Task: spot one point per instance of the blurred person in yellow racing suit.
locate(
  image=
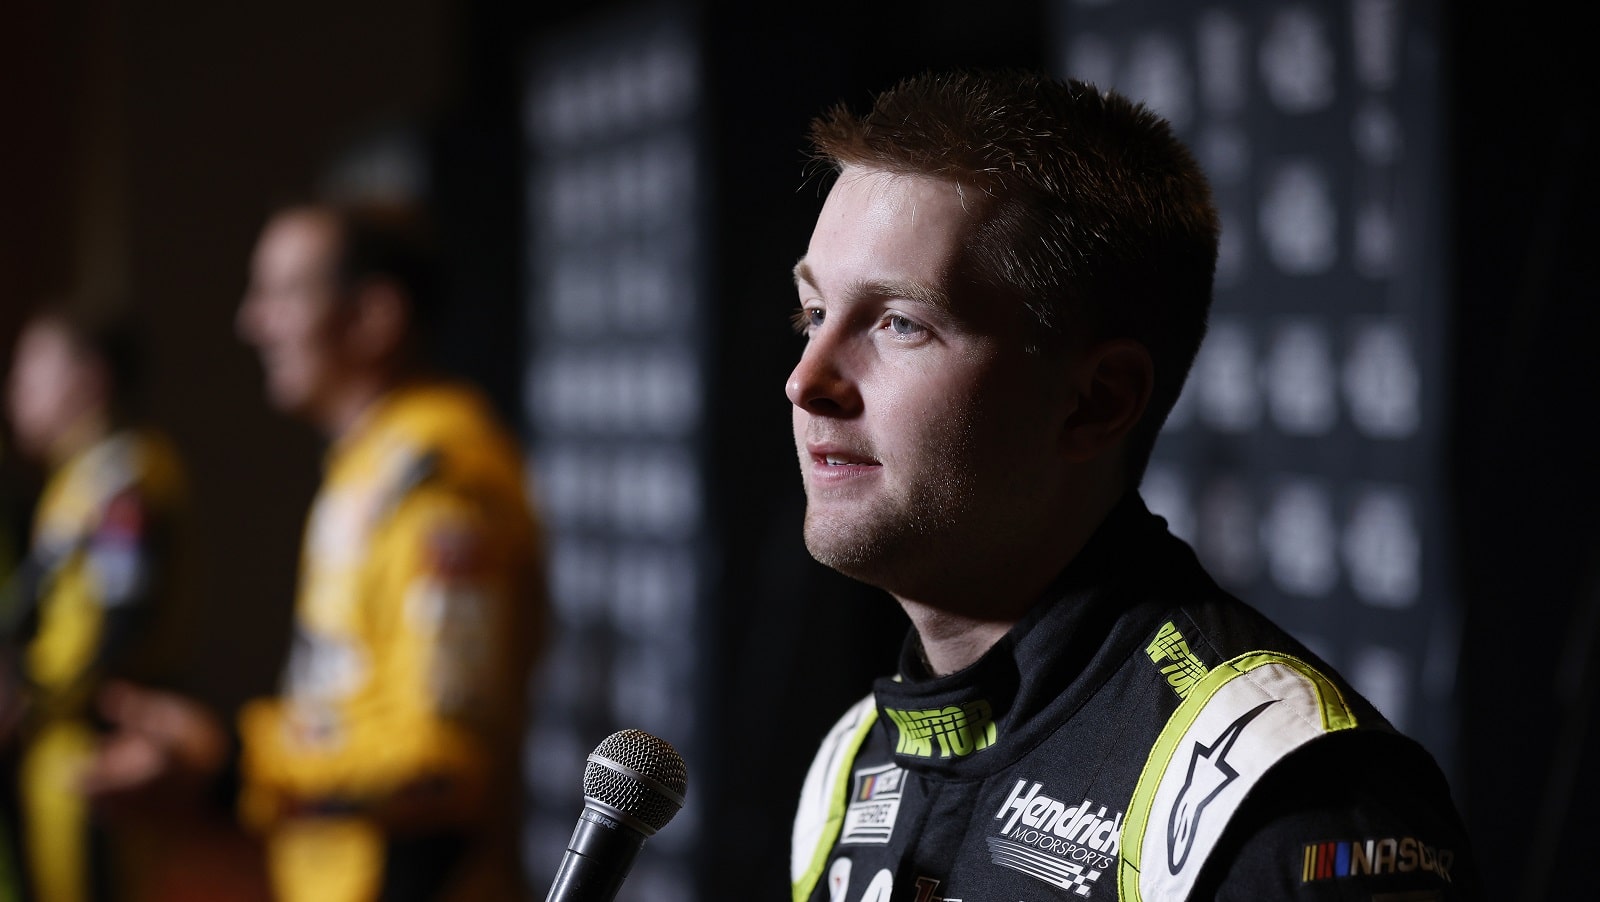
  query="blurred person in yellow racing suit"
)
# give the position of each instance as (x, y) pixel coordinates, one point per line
(389, 765)
(97, 596)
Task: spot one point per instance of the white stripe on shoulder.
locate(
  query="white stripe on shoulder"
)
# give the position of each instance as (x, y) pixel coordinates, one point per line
(1238, 721)
(822, 798)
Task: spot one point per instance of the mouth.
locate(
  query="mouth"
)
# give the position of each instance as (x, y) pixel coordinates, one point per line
(837, 459)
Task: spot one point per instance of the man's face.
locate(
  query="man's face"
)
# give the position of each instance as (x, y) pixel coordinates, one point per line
(52, 386)
(291, 312)
(927, 435)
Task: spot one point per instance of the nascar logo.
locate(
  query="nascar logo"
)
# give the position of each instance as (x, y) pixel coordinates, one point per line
(1372, 857)
(874, 805)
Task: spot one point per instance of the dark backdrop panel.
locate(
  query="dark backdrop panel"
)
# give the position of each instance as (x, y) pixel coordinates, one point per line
(1305, 459)
(666, 195)
(1525, 112)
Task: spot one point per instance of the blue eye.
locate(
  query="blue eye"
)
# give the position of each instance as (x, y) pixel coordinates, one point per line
(903, 326)
(806, 318)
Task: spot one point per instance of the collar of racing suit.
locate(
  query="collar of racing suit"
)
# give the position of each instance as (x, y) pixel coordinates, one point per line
(980, 720)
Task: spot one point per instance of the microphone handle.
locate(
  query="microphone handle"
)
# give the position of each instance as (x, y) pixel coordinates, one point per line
(598, 857)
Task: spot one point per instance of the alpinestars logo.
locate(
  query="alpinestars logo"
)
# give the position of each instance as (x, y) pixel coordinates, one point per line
(1064, 846)
(1209, 774)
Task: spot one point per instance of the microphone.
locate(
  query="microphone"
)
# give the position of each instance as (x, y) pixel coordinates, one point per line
(633, 784)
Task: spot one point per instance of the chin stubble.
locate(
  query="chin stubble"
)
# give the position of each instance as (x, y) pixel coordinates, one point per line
(910, 530)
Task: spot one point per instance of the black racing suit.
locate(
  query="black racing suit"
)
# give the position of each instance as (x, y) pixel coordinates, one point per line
(1141, 734)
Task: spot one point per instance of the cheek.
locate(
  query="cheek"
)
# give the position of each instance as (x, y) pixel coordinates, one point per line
(935, 418)
(292, 322)
(1000, 419)
(295, 329)
(40, 386)
(40, 405)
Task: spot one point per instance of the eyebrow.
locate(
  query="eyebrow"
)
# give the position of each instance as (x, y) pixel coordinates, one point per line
(884, 288)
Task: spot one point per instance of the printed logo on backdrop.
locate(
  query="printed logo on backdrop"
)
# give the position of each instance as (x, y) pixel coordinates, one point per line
(1065, 845)
(874, 804)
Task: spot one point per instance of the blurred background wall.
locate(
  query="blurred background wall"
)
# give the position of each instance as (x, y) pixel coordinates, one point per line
(622, 189)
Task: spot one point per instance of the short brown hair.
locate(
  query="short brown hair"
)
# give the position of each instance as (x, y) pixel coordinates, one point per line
(103, 327)
(380, 238)
(1094, 215)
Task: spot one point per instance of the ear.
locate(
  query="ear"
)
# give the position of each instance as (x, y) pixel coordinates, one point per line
(381, 321)
(1117, 378)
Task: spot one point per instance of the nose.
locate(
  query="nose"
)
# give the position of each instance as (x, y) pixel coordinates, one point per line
(821, 383)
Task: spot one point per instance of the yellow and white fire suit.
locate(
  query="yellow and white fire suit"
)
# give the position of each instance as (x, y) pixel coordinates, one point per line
(389, 764)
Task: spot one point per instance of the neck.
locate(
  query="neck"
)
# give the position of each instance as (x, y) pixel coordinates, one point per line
(340, 414)
(84, 432)
(952, 642)
(959, 624)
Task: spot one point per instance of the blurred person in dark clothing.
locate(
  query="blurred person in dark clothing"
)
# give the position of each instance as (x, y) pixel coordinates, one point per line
(389, 765)
(100, 594)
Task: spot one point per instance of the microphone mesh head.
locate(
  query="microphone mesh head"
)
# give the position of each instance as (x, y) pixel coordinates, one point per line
(659, 767)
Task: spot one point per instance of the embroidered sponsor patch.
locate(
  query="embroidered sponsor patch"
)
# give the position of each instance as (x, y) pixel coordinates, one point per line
(324, 667)
(1373, 858)
(1170, 651)
(124, 518)
(1068, 846)
(453, 551)
(874, 804)
(954, 731)
(928, 891)
(1077, 878)
(456, 619)
(117, 551)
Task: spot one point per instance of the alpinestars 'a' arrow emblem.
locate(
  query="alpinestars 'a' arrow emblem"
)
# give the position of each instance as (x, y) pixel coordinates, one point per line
(1209, 774)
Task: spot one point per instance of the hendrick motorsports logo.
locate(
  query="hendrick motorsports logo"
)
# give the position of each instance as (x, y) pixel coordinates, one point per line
(874, 804)
(1064, 846)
